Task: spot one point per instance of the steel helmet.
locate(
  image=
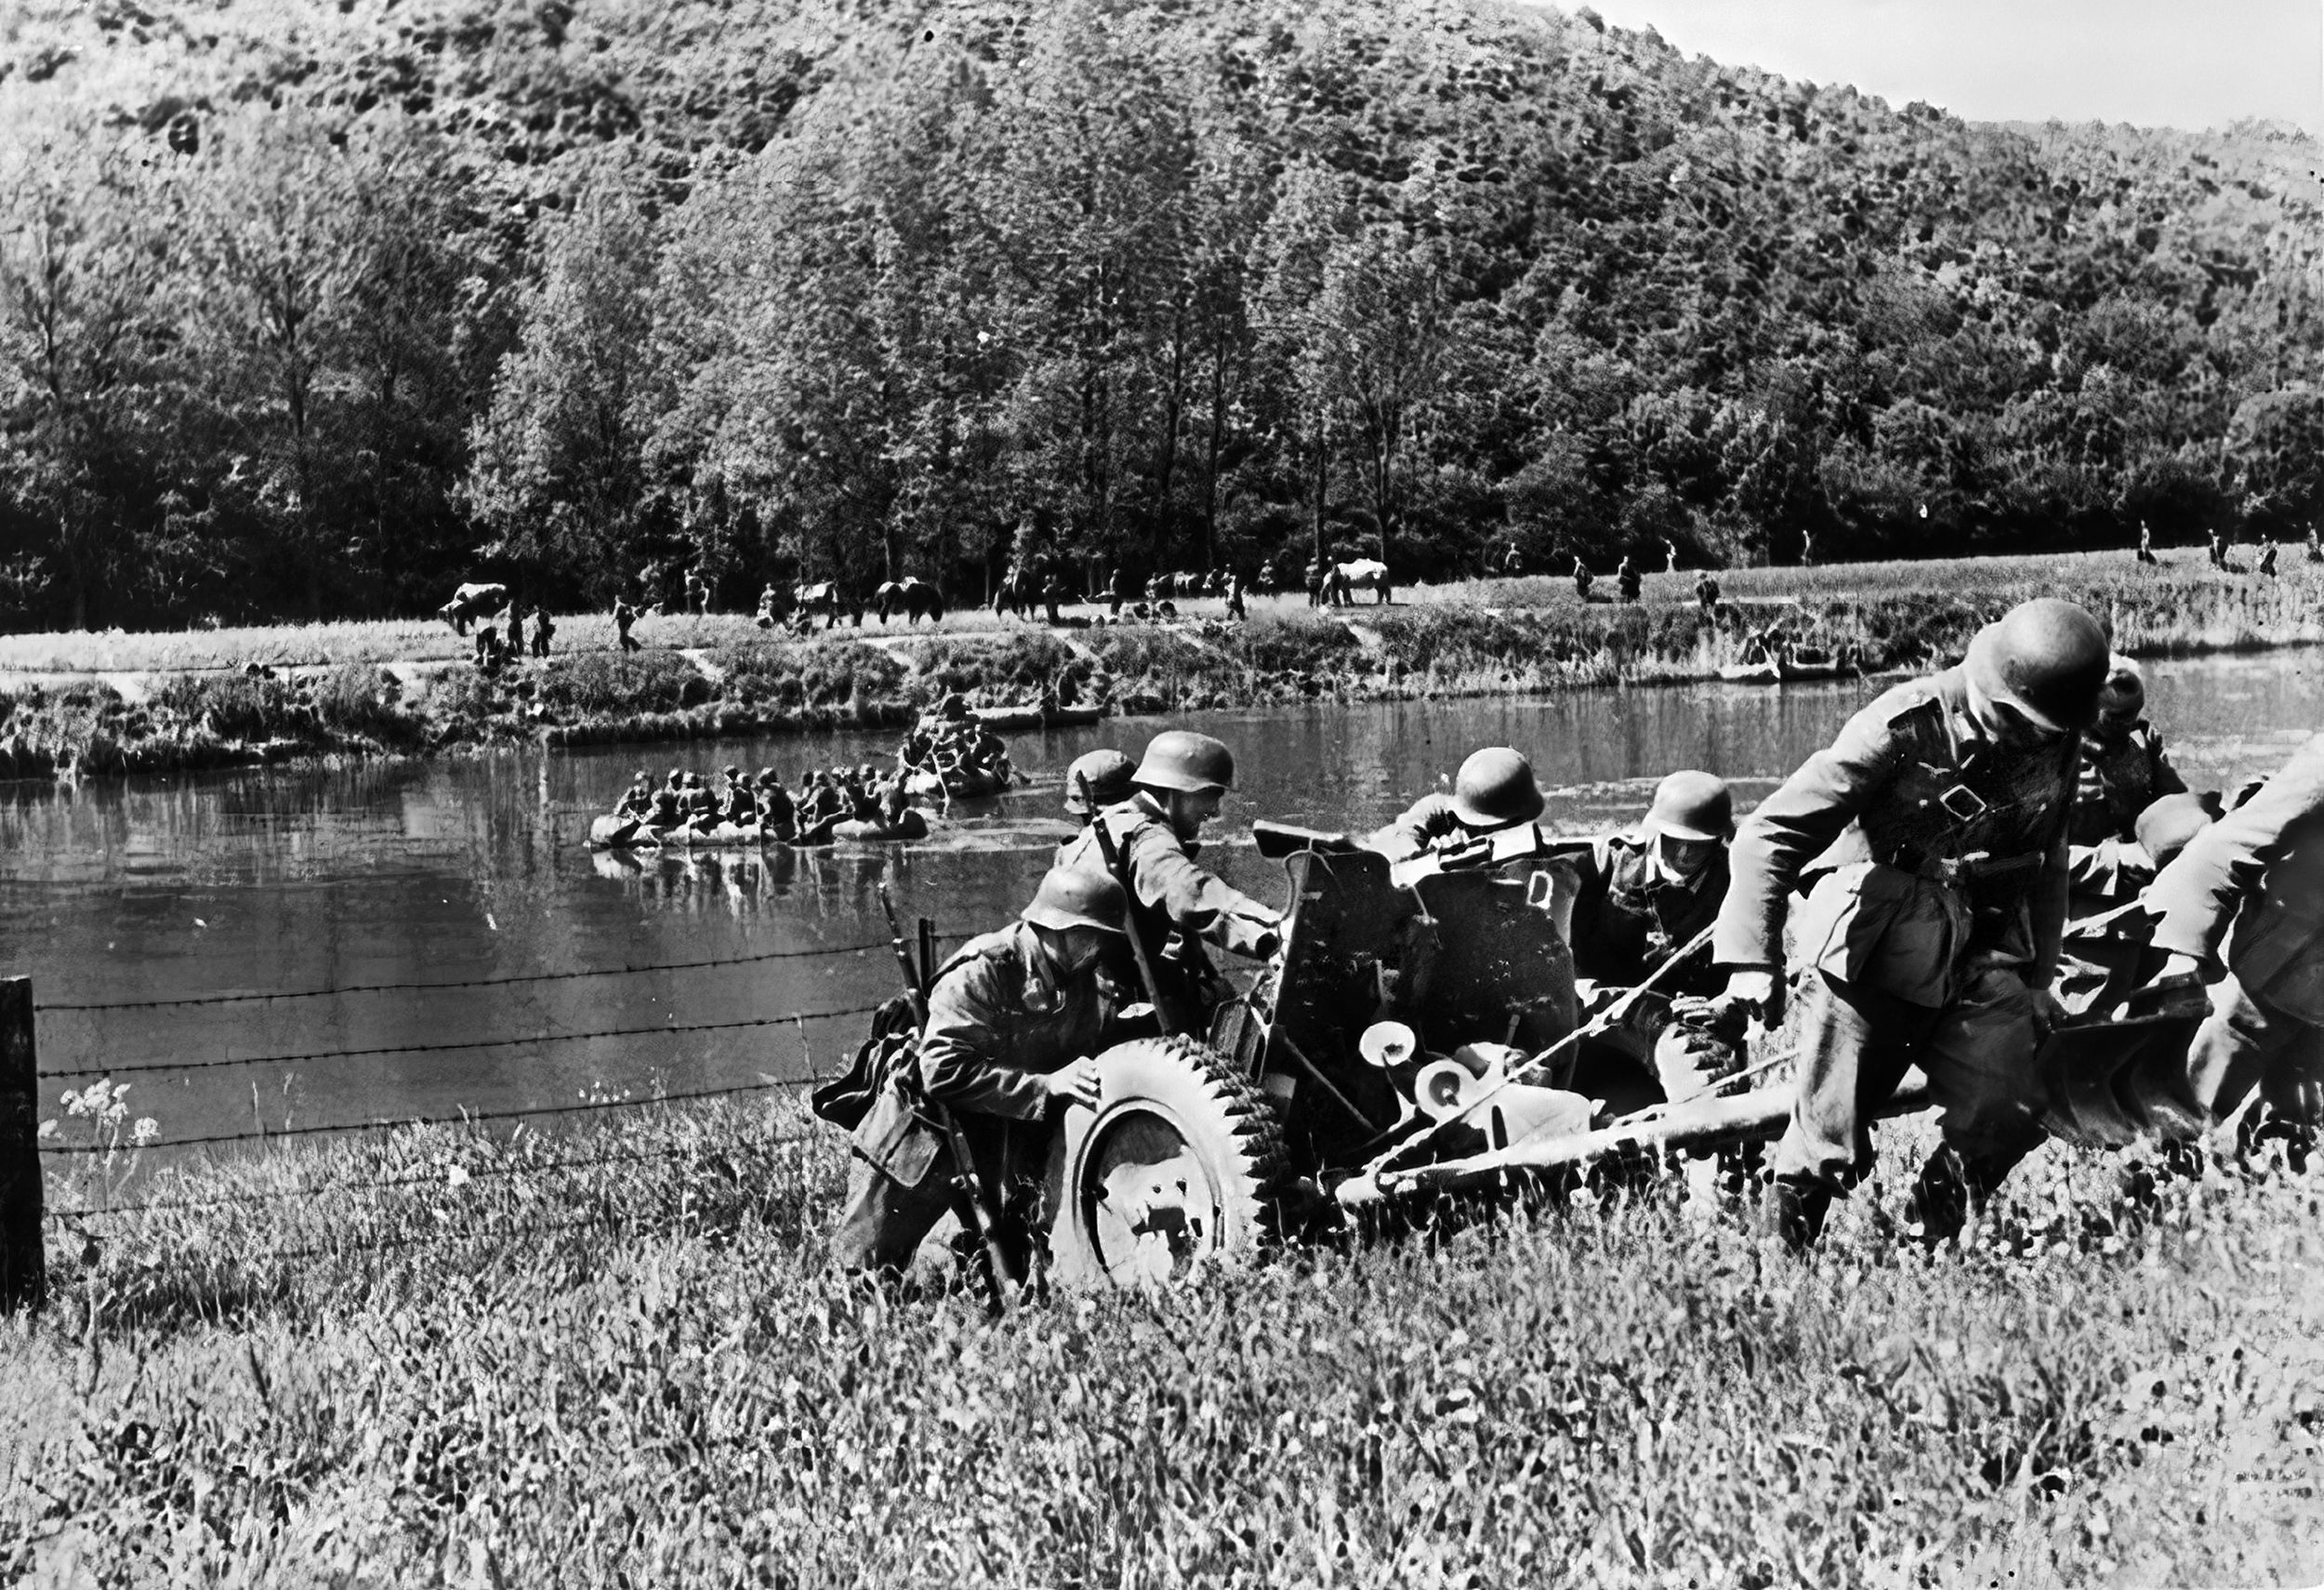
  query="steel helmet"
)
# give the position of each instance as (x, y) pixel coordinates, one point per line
(1070, 897)
(2170, 824)
(2046, 657)
(732, 773)
(2124, 696)
(1494, 789)
(1107, 774)
(1690, 804)
(1179, 759)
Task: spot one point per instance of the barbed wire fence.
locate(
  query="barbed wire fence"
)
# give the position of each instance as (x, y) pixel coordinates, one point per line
(26, 1220)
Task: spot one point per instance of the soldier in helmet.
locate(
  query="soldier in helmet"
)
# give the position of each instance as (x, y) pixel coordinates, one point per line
(2243, 907)
(1707, 594)
(637, 801)
(736, 803)
(1012, 1021)
(670, 801)
(1938, 820)
(2124, 769)
(778, 818)
(1494, 789)
(1647, 893)
(1583, 579)
(1176, 906)
(1096, 780)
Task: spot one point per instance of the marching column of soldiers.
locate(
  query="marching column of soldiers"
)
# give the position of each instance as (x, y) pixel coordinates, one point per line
(1909, 886)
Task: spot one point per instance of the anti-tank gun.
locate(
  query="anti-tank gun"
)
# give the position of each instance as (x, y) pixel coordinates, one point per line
(1417, 1036)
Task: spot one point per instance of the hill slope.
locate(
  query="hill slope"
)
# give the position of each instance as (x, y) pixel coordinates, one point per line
(315, 307)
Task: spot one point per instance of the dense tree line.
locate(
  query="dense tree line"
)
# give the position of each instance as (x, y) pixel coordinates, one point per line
(313, 308)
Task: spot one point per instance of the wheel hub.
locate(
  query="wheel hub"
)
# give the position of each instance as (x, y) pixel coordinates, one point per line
(1149, 1207)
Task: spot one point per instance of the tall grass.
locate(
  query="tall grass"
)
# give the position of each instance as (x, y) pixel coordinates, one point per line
(496, 1363)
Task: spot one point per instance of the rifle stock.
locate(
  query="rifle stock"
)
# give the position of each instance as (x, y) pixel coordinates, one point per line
(965, 1180)
(1163, 1014)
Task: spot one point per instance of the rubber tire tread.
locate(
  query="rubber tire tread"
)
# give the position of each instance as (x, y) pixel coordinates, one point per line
(1242, 1137)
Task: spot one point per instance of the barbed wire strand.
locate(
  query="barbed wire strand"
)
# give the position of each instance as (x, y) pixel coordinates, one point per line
(441, 1179)
(811, 953)
(464, 1118)
(173, 1067)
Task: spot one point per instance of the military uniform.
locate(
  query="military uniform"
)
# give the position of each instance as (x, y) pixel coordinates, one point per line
(1938, 911)
(2248, 893)
(999, 1019)
(777, 814)
(1173, 903)
(740, 807)
(2122, 776)
(1426, 825)
(1629, 919)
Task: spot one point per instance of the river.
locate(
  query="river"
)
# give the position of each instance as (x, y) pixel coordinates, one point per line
(284, 881)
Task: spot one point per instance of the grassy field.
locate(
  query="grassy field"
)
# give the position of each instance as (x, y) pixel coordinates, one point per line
(98, 704)
(618, 1358)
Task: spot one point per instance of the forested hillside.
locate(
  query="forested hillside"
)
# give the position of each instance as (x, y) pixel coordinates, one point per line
(313, 309)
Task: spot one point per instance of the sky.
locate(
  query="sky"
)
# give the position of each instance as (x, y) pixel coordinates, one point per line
(2184, 63)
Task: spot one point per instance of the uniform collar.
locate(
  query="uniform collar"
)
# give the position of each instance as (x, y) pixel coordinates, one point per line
(1971, 740)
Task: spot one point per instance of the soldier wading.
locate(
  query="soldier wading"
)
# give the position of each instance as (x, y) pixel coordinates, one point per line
(1937, 824)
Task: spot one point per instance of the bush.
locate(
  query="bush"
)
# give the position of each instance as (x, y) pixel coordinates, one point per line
(605, 684)
(363, 703)
(794, 675)
(236, 706)
(1019, 665)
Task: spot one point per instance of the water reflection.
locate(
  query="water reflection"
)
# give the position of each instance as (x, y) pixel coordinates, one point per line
(473, 868)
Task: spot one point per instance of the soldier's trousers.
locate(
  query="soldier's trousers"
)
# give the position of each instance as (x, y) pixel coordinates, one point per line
(887, 1220)
(1857, 1044)
(2249, 1053)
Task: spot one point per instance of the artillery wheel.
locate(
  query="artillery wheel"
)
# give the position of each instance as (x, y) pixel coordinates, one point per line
(1178, 1162)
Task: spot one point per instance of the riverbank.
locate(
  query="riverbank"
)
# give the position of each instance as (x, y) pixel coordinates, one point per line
(97, 704)
(615, 1355)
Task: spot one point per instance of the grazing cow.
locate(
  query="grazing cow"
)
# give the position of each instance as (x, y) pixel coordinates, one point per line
(821, 597)
(913, 598)
(472, 602)
(1363, 574)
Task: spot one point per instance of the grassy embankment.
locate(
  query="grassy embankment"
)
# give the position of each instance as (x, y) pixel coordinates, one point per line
(515, 1362)
(719, 674)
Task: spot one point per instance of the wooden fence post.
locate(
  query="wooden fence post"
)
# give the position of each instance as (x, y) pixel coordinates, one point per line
(24, 1266)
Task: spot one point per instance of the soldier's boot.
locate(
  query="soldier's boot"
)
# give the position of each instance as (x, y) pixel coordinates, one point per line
(1950, 1188)
(1796, 1209)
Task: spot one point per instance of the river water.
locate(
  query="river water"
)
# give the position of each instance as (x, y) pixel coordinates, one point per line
(285, 881)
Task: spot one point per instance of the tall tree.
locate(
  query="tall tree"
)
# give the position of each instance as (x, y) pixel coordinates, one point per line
(558, 475)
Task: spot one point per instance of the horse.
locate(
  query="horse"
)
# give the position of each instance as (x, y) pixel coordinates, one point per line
(821, 597)
(1363, 574)
(472, 602)
(913, 598)
(1019, 589)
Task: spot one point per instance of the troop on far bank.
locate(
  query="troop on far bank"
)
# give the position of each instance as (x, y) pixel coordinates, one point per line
(1930, 889)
